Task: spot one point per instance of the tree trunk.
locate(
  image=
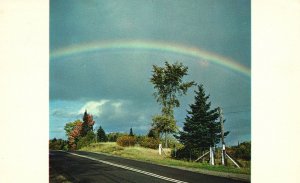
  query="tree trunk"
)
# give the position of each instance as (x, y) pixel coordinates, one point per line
(166, 143)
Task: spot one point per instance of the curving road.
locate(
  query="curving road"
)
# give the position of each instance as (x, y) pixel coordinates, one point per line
(88, 167)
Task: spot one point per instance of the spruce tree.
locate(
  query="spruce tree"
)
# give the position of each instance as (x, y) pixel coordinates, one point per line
(131, 133)
(101, 136)
(201, 128)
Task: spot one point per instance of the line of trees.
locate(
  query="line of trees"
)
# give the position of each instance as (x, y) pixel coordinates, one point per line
(201, 129)
(80, 132)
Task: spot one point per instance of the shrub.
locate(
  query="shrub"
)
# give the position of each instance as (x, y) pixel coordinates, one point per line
(86, 140)
(126, 140)
(58, 144)
(242, 151)
(149, 142)
(112, 137)
(186, 153)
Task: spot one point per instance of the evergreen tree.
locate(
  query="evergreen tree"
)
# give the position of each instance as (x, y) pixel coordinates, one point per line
(131, 133)
(201, 128)
(153, 133)
(101, 136)
(87, 124)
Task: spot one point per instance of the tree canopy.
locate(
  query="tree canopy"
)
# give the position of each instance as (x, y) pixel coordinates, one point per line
(78, 129)
(131, 132)
(88, 123)
(169, 86)
(101, 136)
(73, 132)
(201, 128)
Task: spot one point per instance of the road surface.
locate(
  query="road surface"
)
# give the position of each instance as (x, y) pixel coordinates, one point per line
(88, 167)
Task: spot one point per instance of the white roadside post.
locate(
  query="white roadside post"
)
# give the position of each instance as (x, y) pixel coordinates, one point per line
(211, 155)
(159, 149)
(222, 136)
(223, 154)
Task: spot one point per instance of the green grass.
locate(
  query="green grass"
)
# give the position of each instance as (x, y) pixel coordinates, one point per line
(151, 155)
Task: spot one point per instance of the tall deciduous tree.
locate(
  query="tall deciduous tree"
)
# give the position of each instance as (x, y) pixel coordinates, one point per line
(101, 136)
(87, 124)
(69, 127)
(201, 128)
(169, 86)
(73, 132)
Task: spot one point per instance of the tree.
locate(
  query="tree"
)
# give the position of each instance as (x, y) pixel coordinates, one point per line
(87, 124)
(130, 132)
(73, 132)
(153, 133)
(101, 136)
(169, 86)
(113, 136)
(86, 140)
(57, 144)
(69, 127)
(164, 124)
(201, 128)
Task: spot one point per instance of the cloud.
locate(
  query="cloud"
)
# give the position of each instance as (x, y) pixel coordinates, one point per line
(113, 85)
(61, 113)
(119, 95)
(119, 115)
(93, 107)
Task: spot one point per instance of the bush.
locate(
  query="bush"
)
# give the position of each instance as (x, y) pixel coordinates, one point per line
(58, 144)
(149, 142)
(242, 151)
(86, 140)
(112, 137)
(126, 140)
(186, 153)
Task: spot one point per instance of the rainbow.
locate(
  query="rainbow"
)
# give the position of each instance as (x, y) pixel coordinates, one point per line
(150, 46)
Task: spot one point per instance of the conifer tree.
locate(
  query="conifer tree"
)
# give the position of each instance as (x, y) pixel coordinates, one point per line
(101, 136)
(201, 128)
(131, 133)
(153, 133)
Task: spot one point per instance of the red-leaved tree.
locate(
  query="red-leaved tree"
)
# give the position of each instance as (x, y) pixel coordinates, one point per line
(74, 133)
(88, 123)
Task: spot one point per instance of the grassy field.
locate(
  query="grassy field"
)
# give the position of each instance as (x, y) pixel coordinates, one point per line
(152, 156)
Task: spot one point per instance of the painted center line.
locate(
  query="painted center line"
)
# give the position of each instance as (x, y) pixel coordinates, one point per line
(131, 169)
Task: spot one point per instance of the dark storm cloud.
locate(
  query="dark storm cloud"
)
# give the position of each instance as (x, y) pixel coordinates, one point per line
(219, 26)
(114, 85)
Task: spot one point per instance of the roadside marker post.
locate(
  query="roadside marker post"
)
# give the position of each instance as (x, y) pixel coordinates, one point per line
(222, 137)
(159, 149)
(211, 155)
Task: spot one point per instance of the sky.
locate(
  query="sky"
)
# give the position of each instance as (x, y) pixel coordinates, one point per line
(102, 52)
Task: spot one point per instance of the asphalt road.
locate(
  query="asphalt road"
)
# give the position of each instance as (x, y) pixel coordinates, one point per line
(88, 167)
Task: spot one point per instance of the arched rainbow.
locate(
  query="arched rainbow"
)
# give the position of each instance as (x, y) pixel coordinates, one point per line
(151, 46)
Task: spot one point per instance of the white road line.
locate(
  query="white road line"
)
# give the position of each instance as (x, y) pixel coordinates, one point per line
(131, 169)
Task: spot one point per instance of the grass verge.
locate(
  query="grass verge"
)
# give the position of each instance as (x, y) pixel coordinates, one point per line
(152, 156)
